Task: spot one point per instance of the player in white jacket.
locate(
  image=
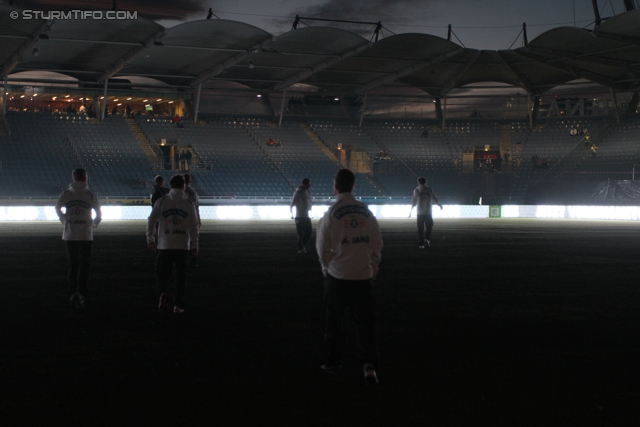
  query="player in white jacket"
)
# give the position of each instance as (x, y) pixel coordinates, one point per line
(424, 197)
(302, 202)
(78, 202)
(191, 194)
(177, 238)
(349, 245)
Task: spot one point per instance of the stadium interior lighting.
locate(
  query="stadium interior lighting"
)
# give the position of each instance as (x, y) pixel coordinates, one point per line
(158, 100)
(21, 96)
(116, 100)
(170, 102)
(54, 98)
(247, 212)
(67, 96)
(258, 96)
(102, 97)
(129, 99)
(119, 104)
(145, 100)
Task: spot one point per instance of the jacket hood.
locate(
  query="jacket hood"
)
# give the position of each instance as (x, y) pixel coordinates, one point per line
(78, 185)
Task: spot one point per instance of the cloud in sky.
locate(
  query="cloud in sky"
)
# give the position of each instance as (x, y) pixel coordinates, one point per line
(369, 10)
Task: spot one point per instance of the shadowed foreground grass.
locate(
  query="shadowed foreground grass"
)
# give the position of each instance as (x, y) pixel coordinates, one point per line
(500, 322)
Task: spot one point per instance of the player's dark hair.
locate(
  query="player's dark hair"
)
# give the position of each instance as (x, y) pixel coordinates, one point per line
(422, 180)
(306, 181)
(79, 174)
(177, 181)
(159, 180)
(187, 178)
(345, 180)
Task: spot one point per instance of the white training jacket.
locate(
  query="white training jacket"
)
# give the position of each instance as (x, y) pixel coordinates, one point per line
(302, 201)
(78, 202)
(177, 222)
(348, 240)
(424, 197)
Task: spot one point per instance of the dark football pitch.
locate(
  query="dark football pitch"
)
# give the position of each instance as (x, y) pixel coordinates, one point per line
(500, 322)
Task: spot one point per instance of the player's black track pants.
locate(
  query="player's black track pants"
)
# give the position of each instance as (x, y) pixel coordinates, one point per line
(357, 296)
(79, 252)
(166, 259)
(424, 221)
(303, 227)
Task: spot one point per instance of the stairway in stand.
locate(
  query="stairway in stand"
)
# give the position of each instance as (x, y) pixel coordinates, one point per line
(315, 138)
(196, 161)
(359, 161)
(505, 148)
(144, 142)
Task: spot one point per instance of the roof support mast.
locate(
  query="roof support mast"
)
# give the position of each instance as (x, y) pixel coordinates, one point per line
(378, 29)
(364, 104)
(104, 101)
(616, 112)
(284, 97)
(596, 12)
(4, 97)
(195, 113)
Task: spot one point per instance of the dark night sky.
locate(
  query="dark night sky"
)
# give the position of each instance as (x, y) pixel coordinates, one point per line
(488, 24)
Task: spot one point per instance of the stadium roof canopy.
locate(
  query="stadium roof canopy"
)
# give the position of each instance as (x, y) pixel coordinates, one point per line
(331, 59)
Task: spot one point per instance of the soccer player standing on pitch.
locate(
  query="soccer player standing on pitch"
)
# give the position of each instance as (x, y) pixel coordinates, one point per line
(349, 245)
(191, 194)
(424, 197)
(177, 238)
(159, 190)
(78, 202)
(302, 201)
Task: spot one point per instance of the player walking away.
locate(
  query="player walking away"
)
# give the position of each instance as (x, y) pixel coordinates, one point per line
(159, 190)
(302, 202)
(349, 245)
(78, 203)
(177, 238)
(424, 197)
(193, 197)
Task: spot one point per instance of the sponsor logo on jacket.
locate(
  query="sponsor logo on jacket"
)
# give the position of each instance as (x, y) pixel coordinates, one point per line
(76, 204)
(178, 212)
(351, 209)
(353, 222)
